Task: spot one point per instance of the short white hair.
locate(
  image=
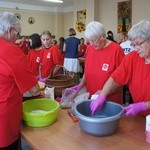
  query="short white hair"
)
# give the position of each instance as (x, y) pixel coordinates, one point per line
(94, 30)
(8, 20)
(140, 30)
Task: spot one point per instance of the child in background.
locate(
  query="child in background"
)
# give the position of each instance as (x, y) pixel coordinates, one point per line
(24, 45)
(62, 49)
(34, 55)
(122, 37)
(82, 48)
(49, 56)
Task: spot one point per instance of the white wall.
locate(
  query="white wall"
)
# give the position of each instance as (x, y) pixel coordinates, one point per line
(58, 25)
(68, 23)
(140, 10)
(54, 22)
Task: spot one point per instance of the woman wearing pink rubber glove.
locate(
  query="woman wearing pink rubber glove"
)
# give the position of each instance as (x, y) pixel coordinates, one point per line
(101, 59)
(134, 71)
(97, 104)
(134, 109)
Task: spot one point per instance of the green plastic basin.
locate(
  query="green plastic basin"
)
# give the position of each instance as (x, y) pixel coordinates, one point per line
(40, 112)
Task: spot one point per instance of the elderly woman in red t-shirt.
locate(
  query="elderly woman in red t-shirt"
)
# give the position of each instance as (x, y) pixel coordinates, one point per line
(133, 71)
(16, 78)
(102, 58)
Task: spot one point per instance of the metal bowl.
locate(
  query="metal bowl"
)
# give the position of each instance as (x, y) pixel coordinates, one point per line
(104, 122)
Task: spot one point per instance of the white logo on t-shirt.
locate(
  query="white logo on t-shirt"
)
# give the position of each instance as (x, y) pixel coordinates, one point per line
(38, 59)
(48, 55)
(105, 67)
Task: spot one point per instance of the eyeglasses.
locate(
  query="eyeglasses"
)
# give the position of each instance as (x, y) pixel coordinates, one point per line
(138, 46)
(94, 42)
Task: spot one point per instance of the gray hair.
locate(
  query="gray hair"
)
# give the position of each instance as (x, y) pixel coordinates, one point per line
(94, 30)
(8, 20)
(140, 30)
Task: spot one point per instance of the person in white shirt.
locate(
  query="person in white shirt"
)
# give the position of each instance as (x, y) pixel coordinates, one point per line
(126, 46)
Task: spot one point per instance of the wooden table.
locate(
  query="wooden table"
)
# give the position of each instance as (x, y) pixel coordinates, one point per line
(64, 134)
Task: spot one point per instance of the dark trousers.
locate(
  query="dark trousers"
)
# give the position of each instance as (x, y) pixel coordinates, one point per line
(13, 146)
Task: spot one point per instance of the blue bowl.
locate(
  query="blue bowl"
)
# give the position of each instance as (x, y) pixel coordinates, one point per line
(104, 122)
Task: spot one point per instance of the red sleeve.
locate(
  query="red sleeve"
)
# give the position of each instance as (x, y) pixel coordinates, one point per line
(122, 74)
(23, 76)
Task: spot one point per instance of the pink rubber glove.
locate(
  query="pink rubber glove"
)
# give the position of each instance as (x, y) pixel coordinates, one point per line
(134, 109)
(42, 79)
(97, 104)
(77, 87)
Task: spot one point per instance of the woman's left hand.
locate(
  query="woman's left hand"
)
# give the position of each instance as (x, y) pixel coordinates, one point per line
(134, 109)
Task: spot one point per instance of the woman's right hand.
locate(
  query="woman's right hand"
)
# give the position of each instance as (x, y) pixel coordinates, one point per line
(97, 104)
(77, 87)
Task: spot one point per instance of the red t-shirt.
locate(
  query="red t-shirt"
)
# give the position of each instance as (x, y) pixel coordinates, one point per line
(82, 50)
(49, 60)
(99, 65)
(15, 79)
(59, 56)
(34, 59)
(134, 72)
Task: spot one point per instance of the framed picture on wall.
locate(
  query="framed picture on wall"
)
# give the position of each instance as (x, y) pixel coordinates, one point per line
(124, 16)
(81, 19)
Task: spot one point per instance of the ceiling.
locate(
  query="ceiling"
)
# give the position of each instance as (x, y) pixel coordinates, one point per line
(27, 4)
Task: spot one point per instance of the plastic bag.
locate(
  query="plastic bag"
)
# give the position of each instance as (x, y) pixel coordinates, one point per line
(49, 92)
(67, 99)
(80, 98)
